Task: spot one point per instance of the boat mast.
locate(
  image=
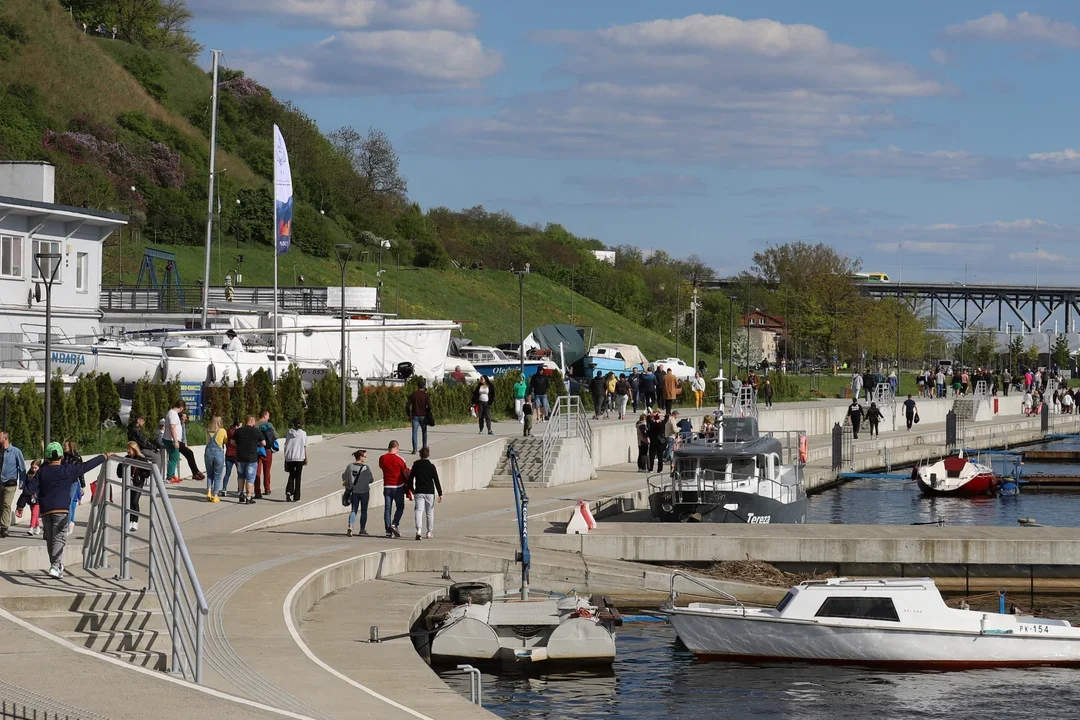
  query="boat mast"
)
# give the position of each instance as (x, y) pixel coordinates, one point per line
(210, 191)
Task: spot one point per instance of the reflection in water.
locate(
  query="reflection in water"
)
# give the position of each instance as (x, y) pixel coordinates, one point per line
(654, 677)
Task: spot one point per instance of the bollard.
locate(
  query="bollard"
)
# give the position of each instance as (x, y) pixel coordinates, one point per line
(374, 634)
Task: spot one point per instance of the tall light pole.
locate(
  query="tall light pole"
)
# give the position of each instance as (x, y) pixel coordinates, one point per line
(695, 325)
(344, 252)
(216, 54)
(383, 245)
(731, 337)
(52, 263)
(521, 316)
(898, 350)
(678, 320)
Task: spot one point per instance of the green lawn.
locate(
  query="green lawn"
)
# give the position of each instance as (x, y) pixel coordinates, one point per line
(485, 302)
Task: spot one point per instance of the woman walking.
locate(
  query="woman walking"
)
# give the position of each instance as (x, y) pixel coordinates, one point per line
(230, 461)
(357, 480)
(642, 428)
(483, 398)
(622, 395)
(214, 458)
(295, 459)
(138, 481)
(698, 386)
(424, 484)
(874, 417)
(27, 499)
(72, 457)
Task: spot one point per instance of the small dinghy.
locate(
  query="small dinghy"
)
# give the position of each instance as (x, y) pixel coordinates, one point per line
(956, 475)
(895, 622)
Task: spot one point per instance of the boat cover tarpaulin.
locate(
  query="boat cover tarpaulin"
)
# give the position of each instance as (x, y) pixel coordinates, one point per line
(548, 337)
(631, 355)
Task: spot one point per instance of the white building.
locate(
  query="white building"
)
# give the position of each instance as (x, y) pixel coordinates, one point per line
(31, 223)
(607, 256)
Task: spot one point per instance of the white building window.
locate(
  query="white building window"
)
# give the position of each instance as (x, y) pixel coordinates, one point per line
(82, 274)
(44, 246)
(11, 252)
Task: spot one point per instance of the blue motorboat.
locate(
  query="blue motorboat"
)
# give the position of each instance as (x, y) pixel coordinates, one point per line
(493, 362)
(614, 357)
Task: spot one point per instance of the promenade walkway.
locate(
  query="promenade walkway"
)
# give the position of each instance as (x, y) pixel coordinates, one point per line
(271, 650)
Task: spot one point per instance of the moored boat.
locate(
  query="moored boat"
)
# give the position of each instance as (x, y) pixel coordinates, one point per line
(956, 475)
(493, 362)
(894, 622)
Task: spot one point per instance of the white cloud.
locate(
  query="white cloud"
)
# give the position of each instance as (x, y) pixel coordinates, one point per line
(383, 61)
(348, 14)
(1042, 256)
(895, 162)
(1024, 28)
(941, 57)
(712, 89)
(931, 248)
(831, 216)
(1063, 162)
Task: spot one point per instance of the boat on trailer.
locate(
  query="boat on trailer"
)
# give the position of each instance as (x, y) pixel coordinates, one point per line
(883, 621)
(957, 475)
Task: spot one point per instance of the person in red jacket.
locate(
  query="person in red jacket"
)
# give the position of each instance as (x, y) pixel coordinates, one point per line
(395, 487)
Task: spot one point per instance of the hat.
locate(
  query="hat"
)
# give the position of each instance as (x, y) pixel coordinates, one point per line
(54, 451)
(674, 412)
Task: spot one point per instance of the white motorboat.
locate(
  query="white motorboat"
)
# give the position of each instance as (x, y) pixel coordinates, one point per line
(896, 622)
(506, 629)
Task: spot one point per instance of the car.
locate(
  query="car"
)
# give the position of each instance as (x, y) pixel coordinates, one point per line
(682, 370)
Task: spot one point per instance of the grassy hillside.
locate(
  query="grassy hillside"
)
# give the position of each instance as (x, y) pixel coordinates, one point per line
(484, 301)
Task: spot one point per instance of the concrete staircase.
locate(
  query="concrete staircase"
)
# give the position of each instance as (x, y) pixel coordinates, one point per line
(964, 407)
(530, 453)
(117, 621)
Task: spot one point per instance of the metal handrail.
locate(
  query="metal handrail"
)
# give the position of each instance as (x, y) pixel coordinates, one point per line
(170, 572)
(703, 483)
(568, 419)
(674, 594)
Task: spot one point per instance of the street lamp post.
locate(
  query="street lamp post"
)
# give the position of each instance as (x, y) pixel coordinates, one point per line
(344, 252)
(897, 349)
(52, 262)
(383, 245)
(678, 320)
(731, 336)
(521, 317)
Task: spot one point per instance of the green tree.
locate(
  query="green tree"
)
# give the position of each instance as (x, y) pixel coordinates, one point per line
(1060, 351)
(18, 426)
(64, 421)
(1032, 356)
(108, 398)
(290, 395)
(1016, 351)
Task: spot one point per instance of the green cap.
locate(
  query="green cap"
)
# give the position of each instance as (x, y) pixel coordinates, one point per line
(54, 451)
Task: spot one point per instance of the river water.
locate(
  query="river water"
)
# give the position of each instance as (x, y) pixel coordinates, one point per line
(655, 677)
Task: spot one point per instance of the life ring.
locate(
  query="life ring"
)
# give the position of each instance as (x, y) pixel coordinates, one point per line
(804, 449)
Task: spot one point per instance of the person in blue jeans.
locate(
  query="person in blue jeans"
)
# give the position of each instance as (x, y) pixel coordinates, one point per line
(357, 478)
(395, 488)
(72, 457)
(417, 408)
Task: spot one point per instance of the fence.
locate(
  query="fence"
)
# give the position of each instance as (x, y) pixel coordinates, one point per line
(567, 420)
(188, 299)
(14, 711)
(169, 571)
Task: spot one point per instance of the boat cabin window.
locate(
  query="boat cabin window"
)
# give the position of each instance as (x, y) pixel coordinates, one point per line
(716, 465)
(859, 608)
(784, 602)
(743, 467)
(685, 466)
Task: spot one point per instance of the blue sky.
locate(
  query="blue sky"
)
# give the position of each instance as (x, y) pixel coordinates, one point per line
(936, 139)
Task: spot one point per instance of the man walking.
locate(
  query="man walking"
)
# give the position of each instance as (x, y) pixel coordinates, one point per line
(417, 408)
(265, 460)
(635, 387)
(598, 388)
(248, 440)
(174, 434)
(521, 389)
(538, 386)
(855, 414)
(672, 388)
(184, 450)
(648, 389)
(52, 484)
(12, 472)
(395, 487)
(423, 485)
(910, 408)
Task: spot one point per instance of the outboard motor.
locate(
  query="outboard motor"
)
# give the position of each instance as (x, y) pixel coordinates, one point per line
(405, 370)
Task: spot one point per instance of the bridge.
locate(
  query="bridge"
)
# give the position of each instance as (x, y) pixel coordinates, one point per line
(967, 303)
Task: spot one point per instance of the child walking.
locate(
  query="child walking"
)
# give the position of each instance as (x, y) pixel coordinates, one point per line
(27, 499)
(527, 415)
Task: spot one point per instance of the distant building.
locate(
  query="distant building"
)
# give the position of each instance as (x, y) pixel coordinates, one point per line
(607, 256)
(31, 223)
(766, 333)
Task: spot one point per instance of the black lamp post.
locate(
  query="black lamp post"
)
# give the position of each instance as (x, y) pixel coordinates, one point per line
(51, 263)
(521, 317)
(344, 252)
(731, 338)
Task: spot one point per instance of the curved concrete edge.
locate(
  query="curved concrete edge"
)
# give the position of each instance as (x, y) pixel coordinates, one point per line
(36, 557)
(343, 574)
(155, 674)
(468, 470)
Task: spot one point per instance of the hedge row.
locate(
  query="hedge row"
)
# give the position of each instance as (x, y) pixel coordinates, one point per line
(78, 413)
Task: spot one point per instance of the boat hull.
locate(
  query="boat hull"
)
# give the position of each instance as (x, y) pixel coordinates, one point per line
(749, 509)
(735, 638)
(981, 484)
(497, 369)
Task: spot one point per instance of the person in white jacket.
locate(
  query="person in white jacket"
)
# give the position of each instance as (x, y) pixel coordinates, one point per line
(295, 459)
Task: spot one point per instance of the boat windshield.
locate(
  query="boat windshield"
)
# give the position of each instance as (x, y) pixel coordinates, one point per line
(743, 466)
(785, 601)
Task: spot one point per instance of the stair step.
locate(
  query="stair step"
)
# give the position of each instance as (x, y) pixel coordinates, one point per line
(121, 641)
(152, 659)
(79, 601)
